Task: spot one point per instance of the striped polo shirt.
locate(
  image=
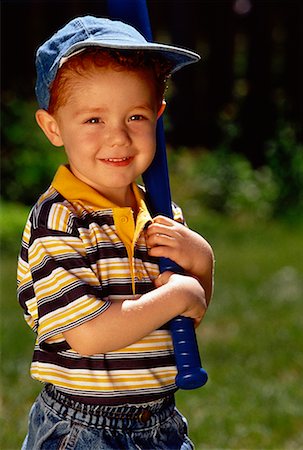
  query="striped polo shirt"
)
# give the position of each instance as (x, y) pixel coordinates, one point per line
(80, 252)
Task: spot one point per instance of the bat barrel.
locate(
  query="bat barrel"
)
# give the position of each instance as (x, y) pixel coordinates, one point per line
(133, 12)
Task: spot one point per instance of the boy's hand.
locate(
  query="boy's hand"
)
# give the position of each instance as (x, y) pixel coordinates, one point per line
(167, 238)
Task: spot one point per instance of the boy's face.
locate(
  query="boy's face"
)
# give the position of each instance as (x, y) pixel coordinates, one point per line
(108, 129)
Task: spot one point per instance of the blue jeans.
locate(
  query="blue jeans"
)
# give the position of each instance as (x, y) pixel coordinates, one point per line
(58, 423)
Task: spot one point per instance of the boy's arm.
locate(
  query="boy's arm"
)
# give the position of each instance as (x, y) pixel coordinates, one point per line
(126, 322)
(65, 302)
(170, 239)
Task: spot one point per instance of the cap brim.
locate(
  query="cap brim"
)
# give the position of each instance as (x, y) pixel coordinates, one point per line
(178, 56)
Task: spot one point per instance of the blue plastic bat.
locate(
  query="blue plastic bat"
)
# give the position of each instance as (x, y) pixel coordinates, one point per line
(190, 373)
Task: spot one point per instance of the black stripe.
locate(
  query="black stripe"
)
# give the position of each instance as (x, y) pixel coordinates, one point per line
(143, 255)
(41, 210)
(24, 252)
(40, 233)
(49, 355)
(49, 264)
(106, 252)
(99, 217)
(64, 297)
(112, 400)
(25, 293)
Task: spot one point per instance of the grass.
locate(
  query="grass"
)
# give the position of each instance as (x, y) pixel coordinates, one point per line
(250, 341)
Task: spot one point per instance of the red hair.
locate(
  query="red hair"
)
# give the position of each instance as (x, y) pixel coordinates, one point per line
(93, 57)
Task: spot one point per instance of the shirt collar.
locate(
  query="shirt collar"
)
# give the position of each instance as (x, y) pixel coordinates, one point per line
(75, 190)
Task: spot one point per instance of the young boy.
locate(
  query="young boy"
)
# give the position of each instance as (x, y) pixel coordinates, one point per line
(88, 278)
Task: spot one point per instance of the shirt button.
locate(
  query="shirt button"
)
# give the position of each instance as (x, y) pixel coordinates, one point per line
(124, 219)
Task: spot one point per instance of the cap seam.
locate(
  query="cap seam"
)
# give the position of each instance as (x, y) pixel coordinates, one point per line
(88, 34)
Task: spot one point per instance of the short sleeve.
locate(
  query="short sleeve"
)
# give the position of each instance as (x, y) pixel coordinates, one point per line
(67, 292)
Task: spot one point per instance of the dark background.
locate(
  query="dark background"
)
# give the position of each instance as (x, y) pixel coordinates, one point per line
(250, 77)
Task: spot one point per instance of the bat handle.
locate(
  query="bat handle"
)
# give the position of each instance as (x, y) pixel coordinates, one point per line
(190, 375)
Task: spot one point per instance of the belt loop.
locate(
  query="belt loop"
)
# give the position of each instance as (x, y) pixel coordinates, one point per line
(100, 415)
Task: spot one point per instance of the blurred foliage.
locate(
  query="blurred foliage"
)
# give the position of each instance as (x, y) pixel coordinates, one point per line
(218, 180)
(29, 161)
(285, 159)
(223, 182)
(12, 220)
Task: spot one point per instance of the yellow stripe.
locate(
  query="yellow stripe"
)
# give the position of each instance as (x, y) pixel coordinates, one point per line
(30, 321)
(54, 283)
(77, 310)
(151, 343)
(103, 382)
(23, 274)
(60, 279)
(32, 308)
(26, 232)
(48, 246)
(59, 217)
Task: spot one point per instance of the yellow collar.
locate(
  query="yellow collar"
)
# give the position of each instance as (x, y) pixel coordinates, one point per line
(75, 190)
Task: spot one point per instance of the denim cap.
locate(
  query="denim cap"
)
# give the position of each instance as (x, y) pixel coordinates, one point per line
(91, 31)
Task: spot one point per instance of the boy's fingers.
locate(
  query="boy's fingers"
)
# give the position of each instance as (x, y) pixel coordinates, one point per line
(164, 220)
(163, 278)
(160, 228)
(159, 251)
(159, 239)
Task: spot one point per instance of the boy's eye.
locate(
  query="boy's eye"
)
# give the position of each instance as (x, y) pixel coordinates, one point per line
(136, 117)
(93, 120)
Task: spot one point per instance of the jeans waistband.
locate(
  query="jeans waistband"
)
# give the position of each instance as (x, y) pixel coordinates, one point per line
(102, 415)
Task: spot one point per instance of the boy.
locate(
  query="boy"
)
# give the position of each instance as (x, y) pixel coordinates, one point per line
(88, 277)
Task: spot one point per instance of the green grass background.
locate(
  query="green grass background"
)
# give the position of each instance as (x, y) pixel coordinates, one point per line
(251, 339)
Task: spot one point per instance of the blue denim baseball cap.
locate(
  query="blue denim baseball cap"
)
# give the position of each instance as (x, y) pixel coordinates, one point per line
(89, 31)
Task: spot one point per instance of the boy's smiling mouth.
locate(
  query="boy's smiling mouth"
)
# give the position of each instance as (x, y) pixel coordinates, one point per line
(118, 161)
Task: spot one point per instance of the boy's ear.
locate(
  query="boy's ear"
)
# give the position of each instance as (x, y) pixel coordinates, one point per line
(49, 126)
(161, 109)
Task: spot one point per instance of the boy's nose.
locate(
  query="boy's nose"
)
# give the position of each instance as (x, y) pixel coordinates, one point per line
(118, 136)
